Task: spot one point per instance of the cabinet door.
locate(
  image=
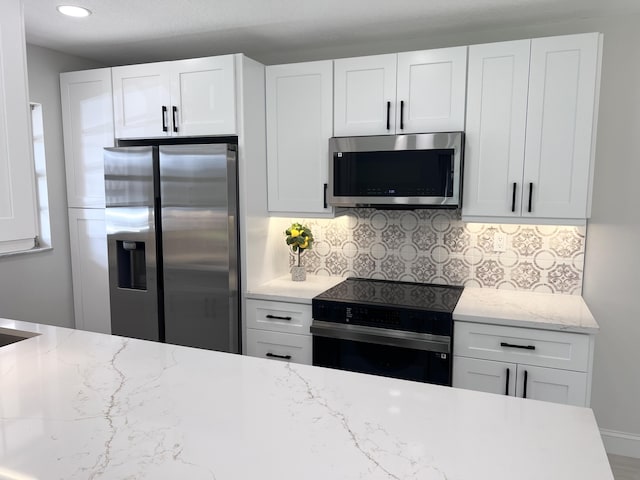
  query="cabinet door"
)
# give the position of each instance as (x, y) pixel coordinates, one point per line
(141, 100)
(89, 269)
(431, 90)
(562, 93)
(286, 347)
(299, 125)
(495, 130)
(552, 385)
(484, 375)
(365, 95)
(87, 118)
(17, 187)
(203, 100)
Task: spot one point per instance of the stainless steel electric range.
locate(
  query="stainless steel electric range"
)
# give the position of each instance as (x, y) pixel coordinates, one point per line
(394, 329)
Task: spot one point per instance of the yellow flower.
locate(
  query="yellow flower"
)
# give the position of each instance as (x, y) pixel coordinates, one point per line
(305, 244)
(294, 232)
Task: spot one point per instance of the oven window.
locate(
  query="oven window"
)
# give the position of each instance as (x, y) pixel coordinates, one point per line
(384, 360)
(396, 173)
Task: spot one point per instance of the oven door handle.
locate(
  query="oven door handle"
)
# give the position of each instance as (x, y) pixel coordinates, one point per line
(382, 336)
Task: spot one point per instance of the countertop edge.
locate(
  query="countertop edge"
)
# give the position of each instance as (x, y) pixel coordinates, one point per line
(511, 322)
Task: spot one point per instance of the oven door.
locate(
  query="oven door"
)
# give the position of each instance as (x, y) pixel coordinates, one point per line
(391, 353)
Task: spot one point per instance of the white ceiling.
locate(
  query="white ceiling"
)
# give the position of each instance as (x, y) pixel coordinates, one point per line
(132, 31)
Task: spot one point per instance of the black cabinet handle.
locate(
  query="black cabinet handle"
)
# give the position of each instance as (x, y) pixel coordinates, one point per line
(324, 201)
(284, 357)
(524, 390)
(388, 115)
(401, 114)
(530, 195)
(513, 198)
(164, 119)
(175, 118)
(276, 317)
(511, 345)
(506, 387)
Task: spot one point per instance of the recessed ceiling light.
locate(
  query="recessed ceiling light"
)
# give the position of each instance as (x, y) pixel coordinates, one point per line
(73, 11)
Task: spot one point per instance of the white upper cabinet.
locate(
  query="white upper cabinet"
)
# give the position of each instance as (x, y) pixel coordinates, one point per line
(409, 92)
(560, 121)
(181, 98)
(365, 95)
(299, 124)
(17, 187)
(431, 90)
(495, 133)
(531, 109)
(87, 117)
(141, 100)
(203, 96)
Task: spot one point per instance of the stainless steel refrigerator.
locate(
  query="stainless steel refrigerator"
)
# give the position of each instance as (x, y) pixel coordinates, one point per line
(172, 234)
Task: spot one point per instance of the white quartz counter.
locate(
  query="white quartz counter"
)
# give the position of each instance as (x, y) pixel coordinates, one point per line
(79, 405)
(283, 289)
(525, 309)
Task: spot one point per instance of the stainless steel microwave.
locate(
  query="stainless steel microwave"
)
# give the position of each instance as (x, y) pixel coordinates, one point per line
(396, 171)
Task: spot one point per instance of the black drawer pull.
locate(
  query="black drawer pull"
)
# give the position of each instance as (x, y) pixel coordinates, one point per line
(284, 357)
(276, 317)
(401, 114)
(506, 389)
(530, 196)
(524, 388)
(511, 345)
(513, 198)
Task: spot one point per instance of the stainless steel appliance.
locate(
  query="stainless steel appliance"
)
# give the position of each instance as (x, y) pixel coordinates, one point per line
(172, 234)
(394, 329)
(402, 171)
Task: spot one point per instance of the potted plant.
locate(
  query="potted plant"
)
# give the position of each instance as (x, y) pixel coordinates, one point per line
(299, 238)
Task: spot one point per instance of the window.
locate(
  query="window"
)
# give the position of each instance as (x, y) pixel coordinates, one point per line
(24, 201)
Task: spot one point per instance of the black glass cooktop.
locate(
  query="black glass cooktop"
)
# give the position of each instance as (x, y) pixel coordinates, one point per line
(417, 296)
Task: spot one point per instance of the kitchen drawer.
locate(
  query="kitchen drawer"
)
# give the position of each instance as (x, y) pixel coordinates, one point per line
(279, 316)
(569, 351)
(279, 346)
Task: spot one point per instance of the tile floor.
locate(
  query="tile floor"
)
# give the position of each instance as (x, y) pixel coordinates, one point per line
(625, 468)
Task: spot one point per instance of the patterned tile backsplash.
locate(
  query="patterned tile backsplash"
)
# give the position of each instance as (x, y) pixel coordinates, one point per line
(435, 246)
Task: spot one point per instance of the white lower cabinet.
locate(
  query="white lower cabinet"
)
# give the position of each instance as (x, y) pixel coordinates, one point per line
(523, 362)
(89, 268)
(542, 383)
(279, 330)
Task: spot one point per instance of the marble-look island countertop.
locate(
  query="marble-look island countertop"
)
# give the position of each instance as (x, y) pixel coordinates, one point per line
(79, 405)
(525, 309)
(283, 289)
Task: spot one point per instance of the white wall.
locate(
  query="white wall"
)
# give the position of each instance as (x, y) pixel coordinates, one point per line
(37, 287)
(612, 264)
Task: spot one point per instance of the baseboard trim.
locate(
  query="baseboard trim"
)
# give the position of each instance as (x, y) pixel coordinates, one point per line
(621, 443)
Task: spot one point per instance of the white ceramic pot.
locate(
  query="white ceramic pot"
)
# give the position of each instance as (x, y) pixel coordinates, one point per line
(298, 274)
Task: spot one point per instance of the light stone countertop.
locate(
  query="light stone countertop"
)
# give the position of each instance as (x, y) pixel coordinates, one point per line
(525, 309)
(80, 405)
(283, 289)
(482, 305)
